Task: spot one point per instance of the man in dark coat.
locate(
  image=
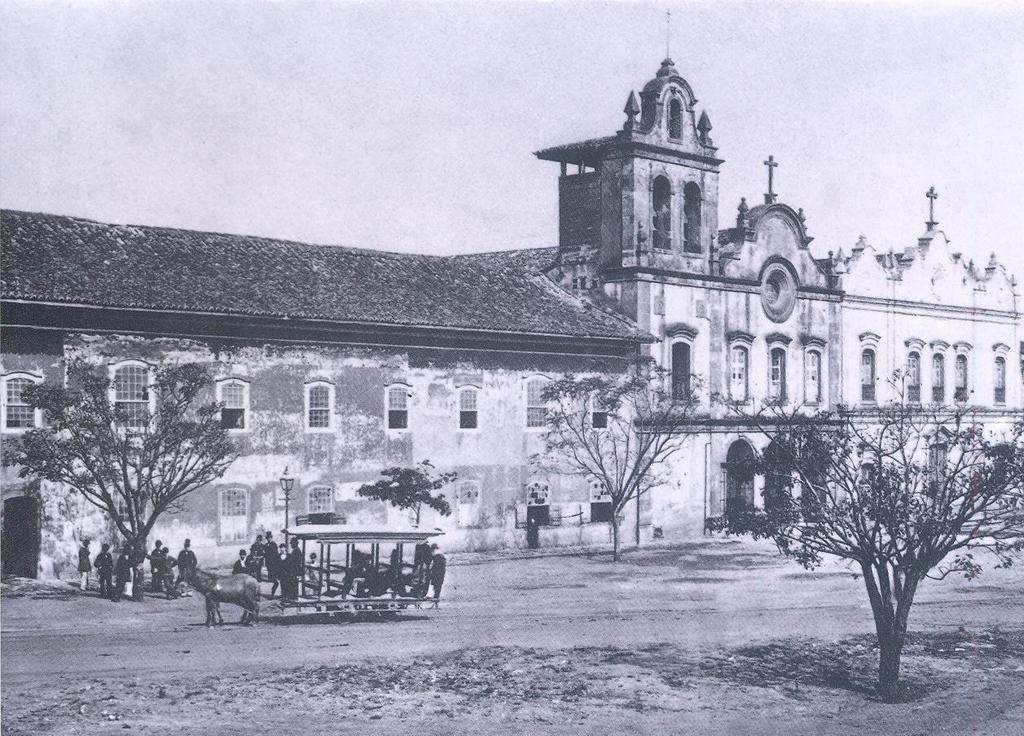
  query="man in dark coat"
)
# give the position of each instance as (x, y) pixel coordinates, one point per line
(255, 561)
(240, 567)
(84, 565)
(273, 560)
(438, 564)
(156, 566)
(104, 564)
(187, 563)
(123, 574)
(293, 565)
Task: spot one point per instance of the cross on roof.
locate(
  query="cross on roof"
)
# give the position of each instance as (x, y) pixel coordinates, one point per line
(932, 196)
(668, 33)
(771, 196)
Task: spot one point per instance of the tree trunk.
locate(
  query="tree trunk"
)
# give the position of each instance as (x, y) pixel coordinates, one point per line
(890, 626)
(138, 561)
(615, 537)
(890, 649)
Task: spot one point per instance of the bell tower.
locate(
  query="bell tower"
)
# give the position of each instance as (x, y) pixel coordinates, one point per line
(646, 197)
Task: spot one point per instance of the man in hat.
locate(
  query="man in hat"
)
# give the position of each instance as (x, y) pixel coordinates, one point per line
(104, 564)
(84, 565)
(240, 567)
(122, 574)
(186, 564)
(437, 570)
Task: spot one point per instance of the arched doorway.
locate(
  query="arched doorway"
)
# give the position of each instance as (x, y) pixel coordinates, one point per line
(739, 477)
(20, 542)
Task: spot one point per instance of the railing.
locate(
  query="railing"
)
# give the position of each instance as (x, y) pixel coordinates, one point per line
(914, 394)
(960, 394)
(867, 392)
(938, 394)
(1001, 395)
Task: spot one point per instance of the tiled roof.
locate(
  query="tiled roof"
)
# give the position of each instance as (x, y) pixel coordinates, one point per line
(53, 258)
(581, 151)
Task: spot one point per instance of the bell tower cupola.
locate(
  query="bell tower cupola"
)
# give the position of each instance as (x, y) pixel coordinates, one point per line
(646, 197)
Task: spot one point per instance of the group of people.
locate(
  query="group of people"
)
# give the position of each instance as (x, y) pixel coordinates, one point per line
(117, 578)
(267, 555)
(285, 569)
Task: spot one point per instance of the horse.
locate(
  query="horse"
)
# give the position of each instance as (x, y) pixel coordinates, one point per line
(240, 590)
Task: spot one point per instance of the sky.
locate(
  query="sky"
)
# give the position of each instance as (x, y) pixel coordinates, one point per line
(411, 126)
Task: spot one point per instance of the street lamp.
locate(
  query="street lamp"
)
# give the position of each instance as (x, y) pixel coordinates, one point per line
(287, 483)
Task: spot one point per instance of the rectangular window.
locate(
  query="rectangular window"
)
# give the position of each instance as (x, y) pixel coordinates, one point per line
(318, 406)
(812, 377)
(938, 378)
(131, 394)
(320, 500)
(738, 374)
(960, 390)
(536, 409)
(17, 412)
(467, 409)
(777, 374)
(680, 370)
(867, 375)
(598, 413)
(233, 395)
(1000, 380)
(398, 407)
(234, 515)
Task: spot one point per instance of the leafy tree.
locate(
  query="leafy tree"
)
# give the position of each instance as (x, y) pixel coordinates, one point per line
(131, 463)
(411, 488)
(906, 494)
(645, 418)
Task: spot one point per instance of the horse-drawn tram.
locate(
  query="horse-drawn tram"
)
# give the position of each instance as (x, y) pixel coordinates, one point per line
(358, 570)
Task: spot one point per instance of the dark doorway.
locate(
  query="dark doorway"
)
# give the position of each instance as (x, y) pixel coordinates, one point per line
(21, 537)
(739, 477)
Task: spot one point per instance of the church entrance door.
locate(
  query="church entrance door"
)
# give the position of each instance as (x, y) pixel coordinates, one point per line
(739, 477)
(21, 537)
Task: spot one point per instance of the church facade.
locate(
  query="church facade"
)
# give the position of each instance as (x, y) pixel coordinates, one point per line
(338, 362)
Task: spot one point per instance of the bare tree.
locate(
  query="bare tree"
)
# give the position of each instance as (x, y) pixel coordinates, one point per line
(618, 430)
(906, 493)
(132, 463)
(411, 488)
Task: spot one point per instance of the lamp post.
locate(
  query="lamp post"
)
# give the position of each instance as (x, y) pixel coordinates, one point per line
(287, 483)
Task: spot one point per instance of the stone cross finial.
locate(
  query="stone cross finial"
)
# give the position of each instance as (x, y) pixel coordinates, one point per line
(771, 196)
(932, 196)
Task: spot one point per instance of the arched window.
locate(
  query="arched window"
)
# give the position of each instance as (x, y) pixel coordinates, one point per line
(691, 215)
(914, 377)
(812, 377)
(600, 501)
(319, 399)
(938, 378)
(867, 375)
(468, 418)
(661, 205)
(234, 395)
(960, 389)
(675, 118)
(320, 500)
(18, 414)
(739, 363)
(1000, 380)
(398, 407)
(234, 515)
(467, 500)
(680, 370)
(536, 408)
(777, 374)
(132, 393)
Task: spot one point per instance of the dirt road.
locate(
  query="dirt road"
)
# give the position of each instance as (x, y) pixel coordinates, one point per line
(548, 623)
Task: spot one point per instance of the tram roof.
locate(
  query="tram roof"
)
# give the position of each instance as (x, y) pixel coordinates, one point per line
(344, 533)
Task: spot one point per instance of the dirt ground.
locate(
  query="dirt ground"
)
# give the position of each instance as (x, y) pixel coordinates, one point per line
(709, 638)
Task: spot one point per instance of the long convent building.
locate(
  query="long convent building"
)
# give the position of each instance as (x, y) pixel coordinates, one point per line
(337, 362)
